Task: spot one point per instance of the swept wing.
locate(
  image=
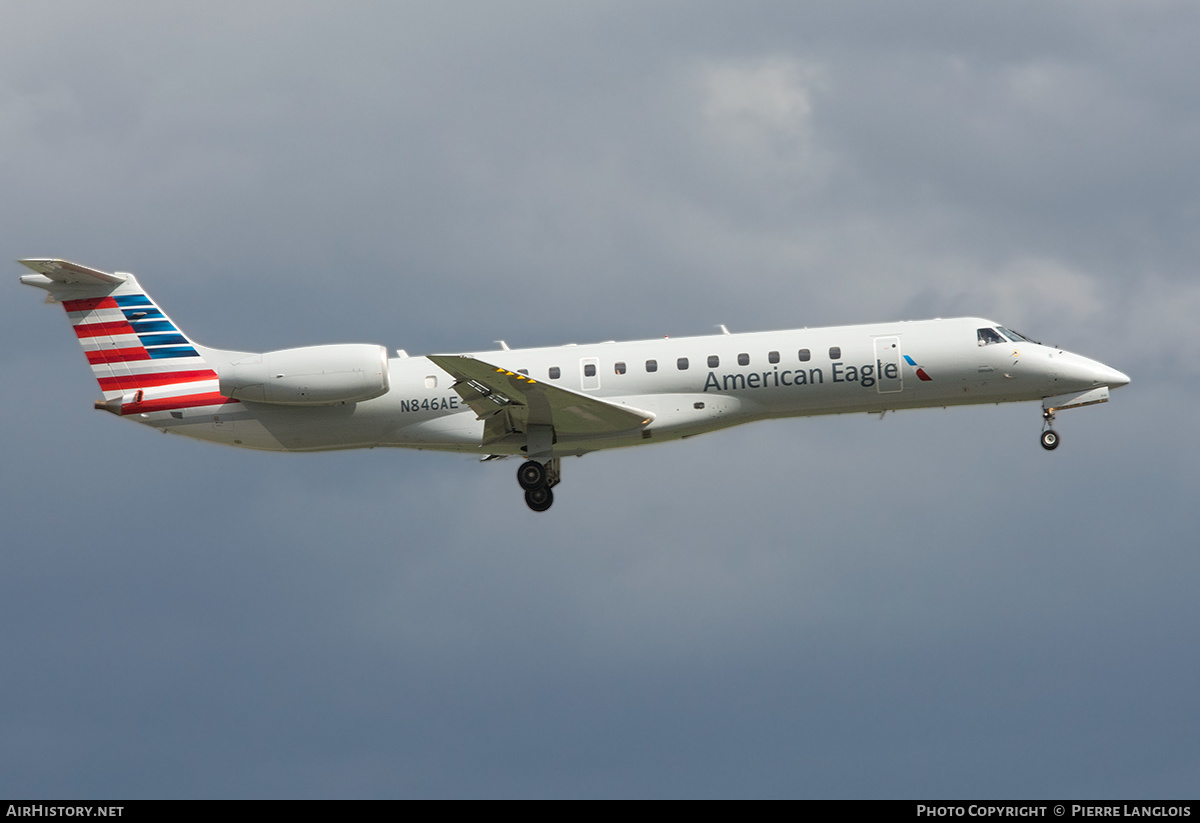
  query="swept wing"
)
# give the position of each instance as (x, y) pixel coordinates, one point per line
(509, 402)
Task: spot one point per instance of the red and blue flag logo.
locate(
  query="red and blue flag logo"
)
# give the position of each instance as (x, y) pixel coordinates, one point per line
(920, 371)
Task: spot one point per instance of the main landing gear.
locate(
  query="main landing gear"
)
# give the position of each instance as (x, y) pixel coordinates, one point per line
(537, 479)
(1049, 435)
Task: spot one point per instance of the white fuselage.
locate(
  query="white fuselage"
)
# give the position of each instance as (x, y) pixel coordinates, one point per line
(755, 376)
(542, 403)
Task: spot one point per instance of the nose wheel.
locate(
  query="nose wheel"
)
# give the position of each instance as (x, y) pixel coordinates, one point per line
(536, 479)
(1049, 436)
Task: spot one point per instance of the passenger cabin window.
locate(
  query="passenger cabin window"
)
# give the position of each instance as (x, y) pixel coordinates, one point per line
(988, 337)
(772, 357)
(743, 359)
(713, 361)
(805, 355)
(835, 352)
(555, 372)
(651, 365)
(589, 370)
(431, 381)
(619, 368)
(681, 364)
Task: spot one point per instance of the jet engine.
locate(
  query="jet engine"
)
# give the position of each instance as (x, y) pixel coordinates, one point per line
(310, 376)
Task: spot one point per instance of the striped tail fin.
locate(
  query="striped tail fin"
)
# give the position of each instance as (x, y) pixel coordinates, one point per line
(142, 361)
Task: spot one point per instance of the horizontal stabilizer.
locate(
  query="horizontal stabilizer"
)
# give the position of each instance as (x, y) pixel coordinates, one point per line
(71, 274)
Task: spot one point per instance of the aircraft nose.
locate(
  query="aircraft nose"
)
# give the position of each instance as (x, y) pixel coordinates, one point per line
(1114, 378)
(1085, 371)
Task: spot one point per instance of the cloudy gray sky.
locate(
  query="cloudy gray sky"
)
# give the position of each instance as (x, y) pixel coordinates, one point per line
(924, 606)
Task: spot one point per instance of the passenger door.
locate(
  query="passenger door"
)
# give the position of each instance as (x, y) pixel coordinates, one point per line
(890, 377)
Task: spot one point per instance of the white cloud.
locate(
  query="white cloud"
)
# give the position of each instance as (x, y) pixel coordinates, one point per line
(761, 112)
(1043, 290)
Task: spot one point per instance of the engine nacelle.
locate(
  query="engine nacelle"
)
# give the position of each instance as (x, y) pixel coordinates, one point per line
(310, 376)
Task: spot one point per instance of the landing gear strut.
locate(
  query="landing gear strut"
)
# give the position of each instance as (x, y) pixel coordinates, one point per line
(536, 479)
(1049, 435)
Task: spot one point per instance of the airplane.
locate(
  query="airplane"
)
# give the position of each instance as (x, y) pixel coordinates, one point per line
(544, 404)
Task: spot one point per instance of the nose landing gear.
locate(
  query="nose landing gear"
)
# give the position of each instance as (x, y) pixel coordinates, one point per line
(1050, 437)
(537, 479)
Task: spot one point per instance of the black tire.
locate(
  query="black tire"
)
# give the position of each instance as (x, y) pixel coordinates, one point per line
(1050, 440)
(539, 499)
(531, 475)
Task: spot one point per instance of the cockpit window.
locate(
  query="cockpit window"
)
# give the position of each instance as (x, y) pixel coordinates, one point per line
(988, 337)
(1016, 338)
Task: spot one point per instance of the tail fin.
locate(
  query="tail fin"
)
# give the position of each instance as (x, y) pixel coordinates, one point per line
(142, 361)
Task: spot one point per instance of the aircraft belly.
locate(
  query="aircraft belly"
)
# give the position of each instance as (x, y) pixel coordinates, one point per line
(461, 431)
(230, 425)
(312, 428)
(692, 412)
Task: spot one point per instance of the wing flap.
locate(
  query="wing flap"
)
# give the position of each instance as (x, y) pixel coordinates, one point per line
(489, 390)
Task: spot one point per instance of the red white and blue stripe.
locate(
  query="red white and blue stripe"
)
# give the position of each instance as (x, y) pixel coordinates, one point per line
(138, 354)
